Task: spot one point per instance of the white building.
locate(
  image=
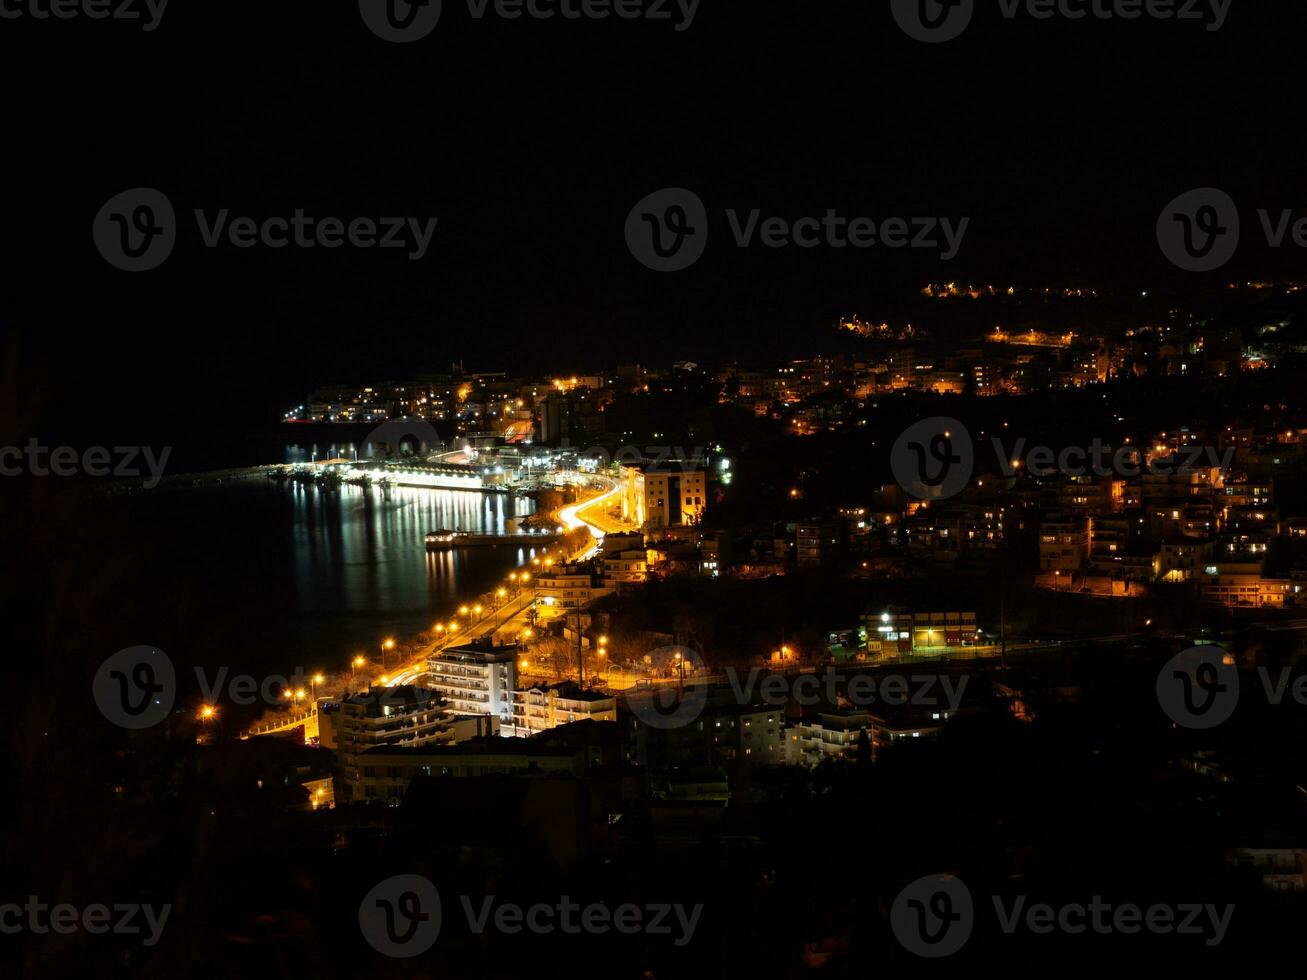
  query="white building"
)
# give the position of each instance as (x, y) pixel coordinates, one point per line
(476, 679)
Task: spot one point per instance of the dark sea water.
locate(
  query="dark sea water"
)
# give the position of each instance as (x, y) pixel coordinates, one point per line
(264, 577)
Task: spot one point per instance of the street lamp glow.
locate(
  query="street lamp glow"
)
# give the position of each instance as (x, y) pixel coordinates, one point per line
(318, 678)
(358, 661)
(462, 610)
(207, 711)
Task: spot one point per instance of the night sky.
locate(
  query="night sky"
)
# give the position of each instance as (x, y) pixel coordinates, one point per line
(531, 140)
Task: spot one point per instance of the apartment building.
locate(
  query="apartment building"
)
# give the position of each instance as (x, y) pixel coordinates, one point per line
(403, 715)
(670, 494)
(476, 679)
(540, 708)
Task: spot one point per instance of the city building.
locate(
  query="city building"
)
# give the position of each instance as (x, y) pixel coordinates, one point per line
(540, 708)
(818, 542)
(402, 715)
(663, 495)
(563, 588)
(476, 678)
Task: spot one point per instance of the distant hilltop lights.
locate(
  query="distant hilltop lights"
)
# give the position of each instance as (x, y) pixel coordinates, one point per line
(953, 290)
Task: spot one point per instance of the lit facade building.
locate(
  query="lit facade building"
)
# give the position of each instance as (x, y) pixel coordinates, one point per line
(538, 709)
(624, 560)
(476, 679)
(1243, 585)
(565, 588)
(891, 633)
(667, 495)
(1063, 545)
(402, 715)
